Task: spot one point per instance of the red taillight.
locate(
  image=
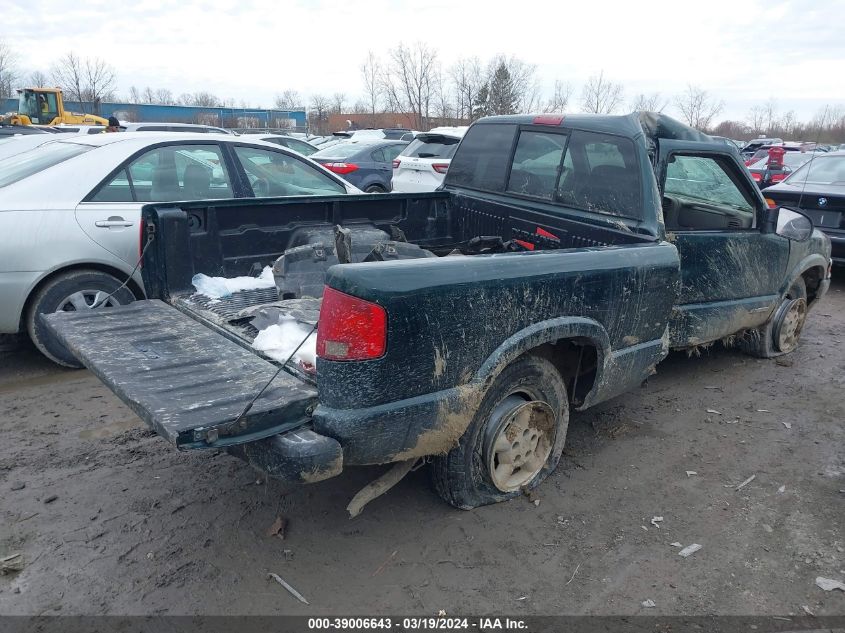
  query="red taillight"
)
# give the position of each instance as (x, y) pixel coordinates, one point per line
(757, 176)
(548, 119)
(778, 177)
(440, 168)
(396, 163)
(350, 328)
(341, 168)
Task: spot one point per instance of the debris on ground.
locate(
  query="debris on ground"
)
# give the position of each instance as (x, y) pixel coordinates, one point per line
(648, 604)
(379, 486)
(288, 554)
(384, 564)
(655, 521)
(713, 411)
(690, 473)
(782, 489)
(51, 498)
(571, 578)
(278, 528)
(807, 610)
(689, 550)
(676, 544)
(746, 482)
(788, 425)
(290, 589)
(11, 564)
(829, 584)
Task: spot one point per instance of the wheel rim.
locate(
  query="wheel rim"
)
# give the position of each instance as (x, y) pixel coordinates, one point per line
(790, 325)
(84, 299)
(520, 442)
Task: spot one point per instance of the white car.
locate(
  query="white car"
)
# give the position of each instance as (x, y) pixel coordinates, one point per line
(422, 166)
(70, 212)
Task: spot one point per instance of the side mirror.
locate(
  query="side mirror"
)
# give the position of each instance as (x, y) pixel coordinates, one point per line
(793, 225)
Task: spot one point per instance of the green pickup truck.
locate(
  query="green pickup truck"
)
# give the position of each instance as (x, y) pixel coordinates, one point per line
(560, 262)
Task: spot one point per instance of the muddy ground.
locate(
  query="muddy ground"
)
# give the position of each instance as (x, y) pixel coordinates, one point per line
(111, 520)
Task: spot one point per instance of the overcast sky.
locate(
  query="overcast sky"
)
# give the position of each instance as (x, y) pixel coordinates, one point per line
(743, 51)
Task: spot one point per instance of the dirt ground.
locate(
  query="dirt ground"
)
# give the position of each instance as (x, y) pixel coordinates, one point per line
(111, 520)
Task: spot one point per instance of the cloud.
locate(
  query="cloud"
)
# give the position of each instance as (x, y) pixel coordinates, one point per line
(743, 52)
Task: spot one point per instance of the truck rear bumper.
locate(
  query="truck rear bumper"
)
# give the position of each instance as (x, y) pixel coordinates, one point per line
(426, 425)
(297, 457)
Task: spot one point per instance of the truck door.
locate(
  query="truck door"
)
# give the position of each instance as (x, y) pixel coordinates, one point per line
(731, 271)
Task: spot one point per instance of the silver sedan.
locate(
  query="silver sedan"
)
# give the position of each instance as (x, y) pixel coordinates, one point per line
(70, 212)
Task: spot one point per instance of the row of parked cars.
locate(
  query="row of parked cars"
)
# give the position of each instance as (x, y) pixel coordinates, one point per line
(806, 176)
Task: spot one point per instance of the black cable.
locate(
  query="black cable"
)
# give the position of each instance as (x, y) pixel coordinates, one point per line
(272, 378)
(97, 304)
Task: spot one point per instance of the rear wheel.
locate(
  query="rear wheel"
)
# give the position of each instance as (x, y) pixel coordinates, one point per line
(781, 333)
(70, 292)
(374, 189)
(514, 441)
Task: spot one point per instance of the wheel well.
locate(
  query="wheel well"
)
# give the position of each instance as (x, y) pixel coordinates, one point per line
(577, 360)
(133, 287)
(813, 279)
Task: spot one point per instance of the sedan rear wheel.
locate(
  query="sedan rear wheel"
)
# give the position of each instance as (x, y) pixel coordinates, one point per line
(74, 291)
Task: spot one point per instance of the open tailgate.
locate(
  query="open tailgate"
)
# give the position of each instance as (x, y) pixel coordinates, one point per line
(186, 381)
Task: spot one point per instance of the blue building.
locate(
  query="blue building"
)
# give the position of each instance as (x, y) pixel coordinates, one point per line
(219, 116)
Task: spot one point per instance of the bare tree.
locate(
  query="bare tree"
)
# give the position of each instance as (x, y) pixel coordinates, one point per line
(85, 80)
(99, 81)
(38, 79)
(600, 95)
(561, 95)
(338, 102)
(371, 74)
(649, 103)
(756, 118)
(201, 99)
(69, 74)
(164, 97)
(410, 80)
(8, 71)
(468, 79)
(134, 95)
(319, 114)
(698, 107)
(289, 100)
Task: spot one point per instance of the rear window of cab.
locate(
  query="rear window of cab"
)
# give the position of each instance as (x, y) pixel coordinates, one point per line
(591, 171)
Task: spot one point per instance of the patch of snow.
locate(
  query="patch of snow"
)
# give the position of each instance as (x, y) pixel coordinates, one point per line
(217, 287)
(279, 340)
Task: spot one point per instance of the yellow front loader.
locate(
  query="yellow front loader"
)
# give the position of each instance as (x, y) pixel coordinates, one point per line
(45, 106)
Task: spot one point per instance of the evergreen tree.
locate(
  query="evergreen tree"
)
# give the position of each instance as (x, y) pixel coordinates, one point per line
(503, 97)
(481, 105)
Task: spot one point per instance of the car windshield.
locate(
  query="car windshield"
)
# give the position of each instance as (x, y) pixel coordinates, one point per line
(20, 166)
(341, 150)
(432, 147)
(826, 170)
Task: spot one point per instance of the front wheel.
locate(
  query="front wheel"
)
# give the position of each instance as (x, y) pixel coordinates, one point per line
(514, 441)
(781, 333)
(70, 292)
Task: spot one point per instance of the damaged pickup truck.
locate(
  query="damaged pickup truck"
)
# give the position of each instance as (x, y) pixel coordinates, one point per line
(561, 261)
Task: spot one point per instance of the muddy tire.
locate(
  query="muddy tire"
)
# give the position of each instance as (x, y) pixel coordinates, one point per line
(514, 441)
(69, 292)
(780, 334)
